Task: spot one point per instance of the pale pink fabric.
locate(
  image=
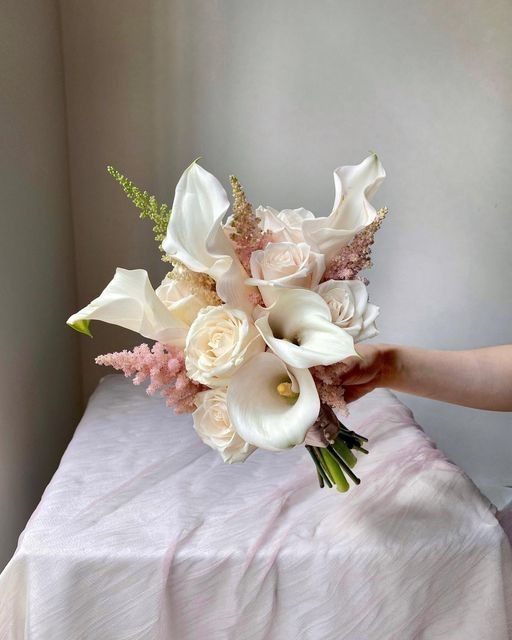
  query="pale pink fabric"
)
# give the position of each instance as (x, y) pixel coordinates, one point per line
(144, 533)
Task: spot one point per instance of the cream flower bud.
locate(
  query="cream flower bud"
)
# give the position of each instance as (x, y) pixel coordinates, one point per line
(213, 425)
(219, 341)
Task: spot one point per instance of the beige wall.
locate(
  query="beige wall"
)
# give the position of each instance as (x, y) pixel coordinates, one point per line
(112, 106)
(281, 92)
(39, 373)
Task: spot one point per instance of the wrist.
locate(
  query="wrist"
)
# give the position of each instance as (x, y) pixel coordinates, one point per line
(389, 359)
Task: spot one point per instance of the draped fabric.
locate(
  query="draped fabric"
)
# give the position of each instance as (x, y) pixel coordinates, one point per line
(145, 534)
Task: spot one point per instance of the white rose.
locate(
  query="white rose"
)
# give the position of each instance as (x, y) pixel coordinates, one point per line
(178, 298)
(284, 226)
(213, 426)
(219, 341)
(350, 309)
(285, 264)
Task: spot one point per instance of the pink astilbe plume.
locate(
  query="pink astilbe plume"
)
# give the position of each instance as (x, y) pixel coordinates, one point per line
(329, 387)
(356, 256)
(246, 233)
(164, 366)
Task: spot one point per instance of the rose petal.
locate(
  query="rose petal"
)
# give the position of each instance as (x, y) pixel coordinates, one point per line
(350, 309)
(180, 300)
(369, 329)
(213, 426)
(285, 264)
(219, 341)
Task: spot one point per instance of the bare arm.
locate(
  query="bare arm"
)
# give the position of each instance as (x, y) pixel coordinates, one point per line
(480, 378)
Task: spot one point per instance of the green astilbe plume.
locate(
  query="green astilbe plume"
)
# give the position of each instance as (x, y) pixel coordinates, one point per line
(148, 206)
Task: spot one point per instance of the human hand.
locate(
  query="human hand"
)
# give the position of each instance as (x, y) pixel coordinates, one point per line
(478, 378)
(366, 373)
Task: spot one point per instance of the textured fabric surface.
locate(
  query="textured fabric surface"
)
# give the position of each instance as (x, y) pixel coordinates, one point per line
(144, 533)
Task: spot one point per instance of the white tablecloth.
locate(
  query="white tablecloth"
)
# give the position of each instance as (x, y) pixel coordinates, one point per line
(144, 533)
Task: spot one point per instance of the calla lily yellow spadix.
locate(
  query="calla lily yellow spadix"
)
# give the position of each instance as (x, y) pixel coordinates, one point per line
(285, 389)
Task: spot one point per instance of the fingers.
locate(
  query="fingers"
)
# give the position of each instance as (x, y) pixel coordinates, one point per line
(361, 374)
(352, 372)
(356, 391)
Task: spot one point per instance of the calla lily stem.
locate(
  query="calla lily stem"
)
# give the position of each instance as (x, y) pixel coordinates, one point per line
(320, 470)
(344, 465)
(335, 471)
(345, 453)
(337, 458)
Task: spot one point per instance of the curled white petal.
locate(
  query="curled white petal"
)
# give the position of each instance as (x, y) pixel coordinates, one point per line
(196, 238)
(352, 211)
(228, 272)
(129, 301)
(298, 328)
(200, 203)
(260, 414)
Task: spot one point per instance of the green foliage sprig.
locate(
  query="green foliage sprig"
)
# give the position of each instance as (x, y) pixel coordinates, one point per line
(147, 204)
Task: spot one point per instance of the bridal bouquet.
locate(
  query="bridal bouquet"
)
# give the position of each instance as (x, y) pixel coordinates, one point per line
(253, 321)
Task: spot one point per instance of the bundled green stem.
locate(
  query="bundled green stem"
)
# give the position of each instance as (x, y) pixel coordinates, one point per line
(147, 204)
(336, 461)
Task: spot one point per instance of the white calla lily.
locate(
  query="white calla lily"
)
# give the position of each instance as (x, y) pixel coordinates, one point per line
(271, 419)
(200, 203)
(352, 212)
(299, 329)
(196, 238)
(130, 301)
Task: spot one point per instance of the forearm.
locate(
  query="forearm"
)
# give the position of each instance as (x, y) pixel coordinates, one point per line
(480, 378)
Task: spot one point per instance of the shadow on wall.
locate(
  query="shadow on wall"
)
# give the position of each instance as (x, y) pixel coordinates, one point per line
(39, 377)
